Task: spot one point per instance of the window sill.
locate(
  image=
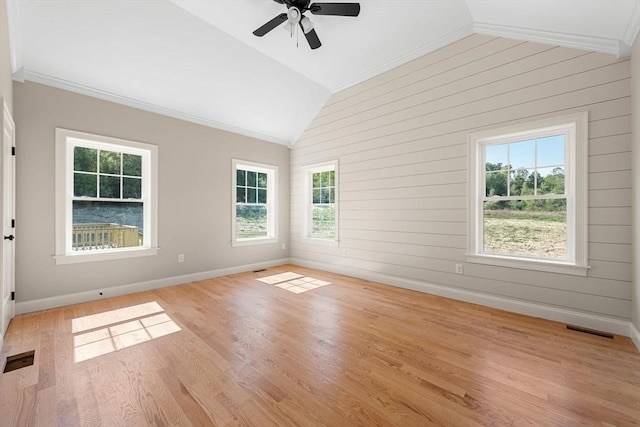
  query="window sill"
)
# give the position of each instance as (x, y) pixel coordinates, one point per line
(249, 242)
(530, 264)
(75, 258)
(319, 241)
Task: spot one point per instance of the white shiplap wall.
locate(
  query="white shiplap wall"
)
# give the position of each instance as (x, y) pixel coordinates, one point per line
(400, 139)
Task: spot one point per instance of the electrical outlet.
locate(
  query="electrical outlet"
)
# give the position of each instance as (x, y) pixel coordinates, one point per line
(180, 257)
(459, 269)
(344, 252)
(284, 246)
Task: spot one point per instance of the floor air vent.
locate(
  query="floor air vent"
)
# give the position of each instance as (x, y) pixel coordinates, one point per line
(18, 361)
(590, 331)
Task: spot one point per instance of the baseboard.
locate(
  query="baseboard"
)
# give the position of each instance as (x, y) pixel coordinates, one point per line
(75, 298)
(573, 317)
(635, 335)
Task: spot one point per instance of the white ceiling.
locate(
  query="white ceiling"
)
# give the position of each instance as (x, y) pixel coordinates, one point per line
(197, 59)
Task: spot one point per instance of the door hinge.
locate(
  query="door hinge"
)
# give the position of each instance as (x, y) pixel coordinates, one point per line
(13, 151)
(13, 295)
(13, 223)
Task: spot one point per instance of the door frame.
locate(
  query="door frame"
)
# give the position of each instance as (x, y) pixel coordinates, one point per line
(8, 166)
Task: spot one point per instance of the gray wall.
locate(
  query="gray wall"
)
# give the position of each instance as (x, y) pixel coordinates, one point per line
(194, 193)
(401, 142)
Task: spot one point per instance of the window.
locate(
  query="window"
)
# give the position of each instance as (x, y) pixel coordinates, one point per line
(321, 202)
(527, 196)
(254, 203)
(106, 198)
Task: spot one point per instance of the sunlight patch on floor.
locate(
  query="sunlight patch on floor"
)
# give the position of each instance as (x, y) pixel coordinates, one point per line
(293, 282)
(104, 333)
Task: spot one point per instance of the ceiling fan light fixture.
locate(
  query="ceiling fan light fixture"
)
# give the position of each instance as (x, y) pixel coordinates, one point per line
(306, 24)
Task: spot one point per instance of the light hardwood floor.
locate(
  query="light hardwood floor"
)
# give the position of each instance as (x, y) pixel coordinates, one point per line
(236, 351)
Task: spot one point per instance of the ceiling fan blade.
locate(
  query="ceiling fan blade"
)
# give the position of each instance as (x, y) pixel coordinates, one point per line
(270, 25)
(338, 9)
(312, 38)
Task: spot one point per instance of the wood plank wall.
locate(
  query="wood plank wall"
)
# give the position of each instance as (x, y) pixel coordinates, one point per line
(400, 139)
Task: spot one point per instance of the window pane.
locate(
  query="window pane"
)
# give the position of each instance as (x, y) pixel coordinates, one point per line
(535, 228)
(85, 185)
(495, 156)
(251, 221)
(324, 222)
(332, 195)
(109, 187)
(85, 159)
(496, 183)
(132, 188)
(551, 151)
(262, 196)
(522, 154)
(131, 165)
(332, 178)
(251, 179)
(316, 180)
(241, 177)
(106, 225)
(316, 195)
(262, 180)
(241, 195)
(109, 162)
(522, 182)
(551, 180)
(251, 195)
(326, 179)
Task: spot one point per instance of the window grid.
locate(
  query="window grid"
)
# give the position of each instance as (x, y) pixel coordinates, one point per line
(98, 174)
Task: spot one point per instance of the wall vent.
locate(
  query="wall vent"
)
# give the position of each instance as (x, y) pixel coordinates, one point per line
(590, 331)
(18, 361)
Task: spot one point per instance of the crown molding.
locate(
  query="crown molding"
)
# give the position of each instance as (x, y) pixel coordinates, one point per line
(449, 38)
(598, 44)
(32, 76)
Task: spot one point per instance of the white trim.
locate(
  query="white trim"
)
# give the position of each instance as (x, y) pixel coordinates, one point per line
(44, 79)
(563, 315)
(432, 45)
(75, 298)
(272, 201)
(308, 171)
(635, 335)
(598, 44)
(575, 128)
(529, 264)
(74, 258)
(65, 140)
(15, 35)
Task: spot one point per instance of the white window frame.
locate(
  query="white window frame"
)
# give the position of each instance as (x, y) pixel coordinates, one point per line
(66, 141)
(575, 128)
(272, 202)
(308, 171)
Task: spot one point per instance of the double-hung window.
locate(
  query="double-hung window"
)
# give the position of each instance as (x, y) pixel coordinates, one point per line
(106, 198)
(321, 201)
(254, 203)
(527, 195)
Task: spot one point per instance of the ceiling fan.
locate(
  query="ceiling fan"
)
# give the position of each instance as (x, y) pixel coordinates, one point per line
(295, 16)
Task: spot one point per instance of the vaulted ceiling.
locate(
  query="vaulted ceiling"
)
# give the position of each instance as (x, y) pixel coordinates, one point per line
(198, 60)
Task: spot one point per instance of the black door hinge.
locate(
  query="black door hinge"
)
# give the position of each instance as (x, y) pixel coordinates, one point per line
(13, 223)
(13, 151)
(13, 295)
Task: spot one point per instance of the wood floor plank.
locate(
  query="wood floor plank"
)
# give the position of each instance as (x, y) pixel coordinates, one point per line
(234, 351)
